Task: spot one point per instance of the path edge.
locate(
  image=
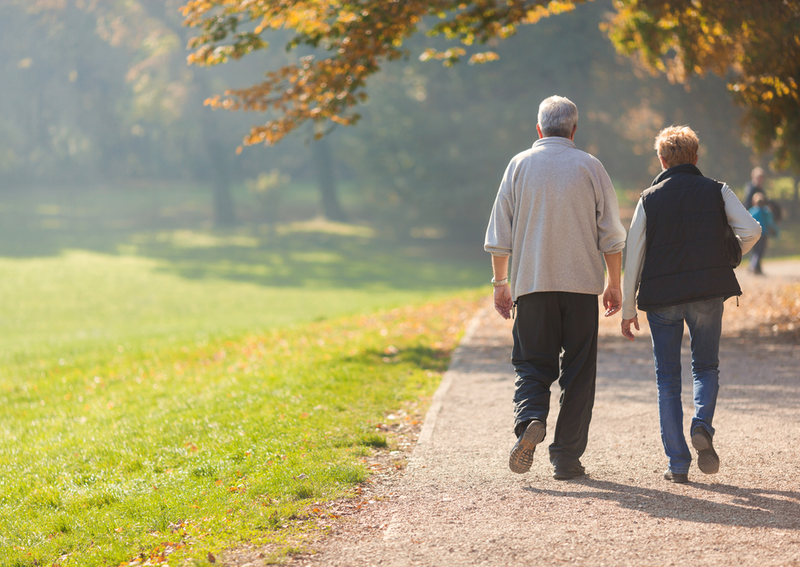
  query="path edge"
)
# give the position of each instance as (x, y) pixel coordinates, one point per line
(429, 424)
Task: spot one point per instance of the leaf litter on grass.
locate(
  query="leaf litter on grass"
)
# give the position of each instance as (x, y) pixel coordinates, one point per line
(194, 449)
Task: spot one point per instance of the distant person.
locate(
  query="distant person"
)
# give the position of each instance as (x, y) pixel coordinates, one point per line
(556, 216)
(755, 185)
(762, 213)
(676, 260)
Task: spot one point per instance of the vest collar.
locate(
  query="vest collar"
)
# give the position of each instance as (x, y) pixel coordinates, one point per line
(683, 168)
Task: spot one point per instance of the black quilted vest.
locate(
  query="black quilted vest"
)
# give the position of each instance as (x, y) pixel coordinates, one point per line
(685, 258)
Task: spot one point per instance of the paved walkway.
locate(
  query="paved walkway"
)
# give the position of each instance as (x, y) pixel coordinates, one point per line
(458, 504)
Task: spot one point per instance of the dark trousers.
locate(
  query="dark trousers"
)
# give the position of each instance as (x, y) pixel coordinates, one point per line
(555, 338)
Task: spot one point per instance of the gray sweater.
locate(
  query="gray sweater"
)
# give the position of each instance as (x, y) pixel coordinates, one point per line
(555, 214)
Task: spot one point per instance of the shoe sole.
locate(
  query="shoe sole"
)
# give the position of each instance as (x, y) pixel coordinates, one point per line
(707, 459)
(521, 457)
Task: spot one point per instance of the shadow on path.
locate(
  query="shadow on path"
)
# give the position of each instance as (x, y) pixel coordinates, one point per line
(747, 507)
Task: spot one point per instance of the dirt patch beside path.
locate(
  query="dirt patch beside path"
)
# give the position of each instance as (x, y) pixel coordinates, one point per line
(458, 504)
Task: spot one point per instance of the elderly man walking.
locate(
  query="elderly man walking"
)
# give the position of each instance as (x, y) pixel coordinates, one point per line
(677, 260)
(556, 216)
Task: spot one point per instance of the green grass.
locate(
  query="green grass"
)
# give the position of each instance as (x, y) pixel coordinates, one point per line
(788, 245)
(204, 447)
(86, 301)
(180, 392)
(781, 189)
(188, 285)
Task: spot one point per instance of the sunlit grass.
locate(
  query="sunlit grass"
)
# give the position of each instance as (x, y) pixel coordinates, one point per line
(184, 285)
(205, 446)
(788, 245)
(84, 299)
(163, 402)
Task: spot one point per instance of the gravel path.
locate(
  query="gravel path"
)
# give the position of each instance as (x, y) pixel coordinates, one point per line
(458, 504)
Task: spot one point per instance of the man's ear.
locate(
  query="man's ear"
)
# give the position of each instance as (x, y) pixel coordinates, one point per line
(574, 129)
(539, 131)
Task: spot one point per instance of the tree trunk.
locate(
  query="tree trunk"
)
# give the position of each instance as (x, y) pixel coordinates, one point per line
(323, 164)
(216, 167)
(796, 199)
(224, 215)
(216, 162)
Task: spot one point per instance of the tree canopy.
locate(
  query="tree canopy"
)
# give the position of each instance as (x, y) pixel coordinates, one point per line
(358, 36)
(99, 93)
(753, 43)
(434, 140)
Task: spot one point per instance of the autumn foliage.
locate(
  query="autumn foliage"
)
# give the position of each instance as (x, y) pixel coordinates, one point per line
(753, 43)
(356, 36)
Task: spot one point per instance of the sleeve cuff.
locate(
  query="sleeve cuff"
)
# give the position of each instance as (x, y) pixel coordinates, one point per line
(497, 251)
(619, 247)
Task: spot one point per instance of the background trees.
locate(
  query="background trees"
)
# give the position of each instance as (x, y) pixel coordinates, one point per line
(99, 93)
(433, 141)
(342, 44)
(756, 45)
(356, 38)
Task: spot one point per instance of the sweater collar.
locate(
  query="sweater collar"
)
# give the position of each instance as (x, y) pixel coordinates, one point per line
(553, 141)
(683, 168)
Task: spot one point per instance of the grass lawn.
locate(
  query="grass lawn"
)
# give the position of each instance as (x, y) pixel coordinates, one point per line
(181, 391)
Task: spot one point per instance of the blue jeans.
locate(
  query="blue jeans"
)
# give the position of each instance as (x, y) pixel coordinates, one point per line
(704, 319)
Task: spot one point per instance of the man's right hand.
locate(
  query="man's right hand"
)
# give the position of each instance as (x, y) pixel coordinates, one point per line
(502, 300)
(612, 300)
(626, 327)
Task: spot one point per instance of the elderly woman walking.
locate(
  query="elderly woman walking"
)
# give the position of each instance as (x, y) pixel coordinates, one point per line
(678, 263)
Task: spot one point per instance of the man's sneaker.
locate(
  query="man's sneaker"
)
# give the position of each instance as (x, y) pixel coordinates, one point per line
(707, 459)
(521, 456)
(679, 478)
(569, 472)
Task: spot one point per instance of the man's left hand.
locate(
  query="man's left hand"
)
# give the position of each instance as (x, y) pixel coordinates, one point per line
(612, 300)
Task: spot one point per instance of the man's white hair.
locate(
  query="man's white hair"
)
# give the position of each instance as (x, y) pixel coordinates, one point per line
(558, 116)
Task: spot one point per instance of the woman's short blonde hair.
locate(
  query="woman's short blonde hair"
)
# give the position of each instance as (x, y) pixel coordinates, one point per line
(677, 145)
